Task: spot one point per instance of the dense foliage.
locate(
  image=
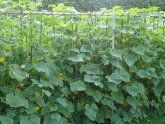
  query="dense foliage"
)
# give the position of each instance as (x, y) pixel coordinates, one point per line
(62, 69)
(95, 5)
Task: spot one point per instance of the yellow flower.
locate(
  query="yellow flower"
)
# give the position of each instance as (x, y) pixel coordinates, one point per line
(62, 95)
(2, 60)
(37, 108)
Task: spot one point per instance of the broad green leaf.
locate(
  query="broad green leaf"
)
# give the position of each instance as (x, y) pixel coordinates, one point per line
(100, 116)
(62, 101)
(134, 88)
(112, 86)
(93, 69)
(16, 99)
(108, 102)
(91, 111)
(34, 93)
(50, 20)
(162, 74)
(89, 91)
(149, 57)
(6, 89)
(118, 76)
(117, 53)
(76, 58)
(97, 95)
(18, 73)
(151, 72)
(93, 79)
(31, 109)
(158, 90)
(130, 59)
(133, 68)
(116, 119)
(85, 49)
(147, 73)
(46, 83)
(132, 101)
(118, 97)
(162, 64)
(66, 111)
(139, 50)
(56, 81)
(34, 119)
(77, 86)
(116, 63)
(155, 81)
(46, 92)
(41, 67)
(54, 118)
(6, 120)
(142, 73)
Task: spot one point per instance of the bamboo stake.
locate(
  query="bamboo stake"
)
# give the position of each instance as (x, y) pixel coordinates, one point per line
(113, 31)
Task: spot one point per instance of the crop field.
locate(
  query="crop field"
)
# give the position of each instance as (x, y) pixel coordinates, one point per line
(107, 67)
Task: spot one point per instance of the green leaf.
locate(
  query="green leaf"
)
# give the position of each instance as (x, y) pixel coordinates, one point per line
(16, 99)
(41, 67)
(130, 59)
(6, 120)
(132, 101)
(162, 74)
(142, 73)
(94, 93)
(23, 1)
(147, 73)
(118, 76)
(100, 116)
(162, 64)
(139, 50)
(116, 119)
(50, 20)
(97, 95)
(133, 68)
(30, 109)
(77, 86)
(76, 58)
(46, 92)
(108, 102)
(56, 81)
(155, 81)
(34, 119)
(151, 72)
(158, 90)
(18, 73)
(112, 86)
(134, 88)
(118, 97)
(116, 63)
(149, 57)
(85, 49)
(93, 79)
(117, 53)
(55, 118)
(93, 69)
(62, 101)
(91, 111)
